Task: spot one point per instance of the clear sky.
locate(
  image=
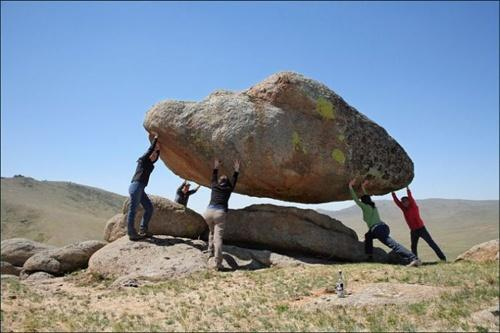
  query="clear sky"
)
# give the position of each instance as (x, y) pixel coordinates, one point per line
(77, 79)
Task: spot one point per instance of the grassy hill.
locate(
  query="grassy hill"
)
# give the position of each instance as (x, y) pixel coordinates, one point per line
(456, 225)
(52, 212)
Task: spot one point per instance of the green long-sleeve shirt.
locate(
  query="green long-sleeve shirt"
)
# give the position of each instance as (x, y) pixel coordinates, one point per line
(370, 214)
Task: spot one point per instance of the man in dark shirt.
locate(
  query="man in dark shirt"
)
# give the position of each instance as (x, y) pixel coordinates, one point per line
(183, 193)
(215, 215)
(145, 165)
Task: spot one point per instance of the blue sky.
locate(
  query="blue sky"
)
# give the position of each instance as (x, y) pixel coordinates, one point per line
(77, 79)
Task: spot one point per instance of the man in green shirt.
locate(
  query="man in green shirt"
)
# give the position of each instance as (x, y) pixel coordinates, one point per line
(378, 229)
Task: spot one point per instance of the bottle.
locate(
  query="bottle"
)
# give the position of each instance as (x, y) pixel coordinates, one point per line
(340, 286)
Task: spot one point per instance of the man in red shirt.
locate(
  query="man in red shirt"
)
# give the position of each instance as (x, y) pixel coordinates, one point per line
(414, 221)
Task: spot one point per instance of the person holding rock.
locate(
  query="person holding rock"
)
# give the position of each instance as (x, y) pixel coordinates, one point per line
(145, 165)
(183, 193)
(417, 229)
(215, 215)
(378, 229)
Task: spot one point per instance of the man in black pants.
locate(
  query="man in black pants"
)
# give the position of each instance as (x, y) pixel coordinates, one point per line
(416, 224)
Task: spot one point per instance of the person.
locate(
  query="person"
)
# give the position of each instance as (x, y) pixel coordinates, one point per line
(183, 193)
(145, 165)
(417, 229)
(377, 229)
(215, 215)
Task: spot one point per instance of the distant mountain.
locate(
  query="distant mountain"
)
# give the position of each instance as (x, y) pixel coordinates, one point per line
(52, 212)
(456, 225)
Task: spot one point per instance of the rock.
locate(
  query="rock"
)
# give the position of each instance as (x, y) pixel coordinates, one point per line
(17, 250)
(9, 277)
(297, 139)
(294, 230)
(164, 257)
(115, 228)
(488, 251)
(63, 260)
(154, 258)
(37, 276)
(488, 318)
(7, 268)
(169, 218)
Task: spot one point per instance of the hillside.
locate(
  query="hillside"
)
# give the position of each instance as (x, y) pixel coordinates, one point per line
(53, 212)
(455, 225)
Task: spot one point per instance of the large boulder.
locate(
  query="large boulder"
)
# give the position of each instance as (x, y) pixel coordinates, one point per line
(7, 268)
(294, 230)
(63, 260)
(169, 218)
(297, 139)
(487, 251)
(163, 257)
(17, 250)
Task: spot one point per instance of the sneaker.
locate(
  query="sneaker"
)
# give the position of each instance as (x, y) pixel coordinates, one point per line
(210, 253)
(134, 238)
(415, 263)
(145, 233)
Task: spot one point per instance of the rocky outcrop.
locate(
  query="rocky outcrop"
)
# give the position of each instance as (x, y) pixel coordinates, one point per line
(488, 251)
(17, 250)
(9, 269)
(294, 230)
(163, 257)
(169, 218)
(63, 260)
(297, 140)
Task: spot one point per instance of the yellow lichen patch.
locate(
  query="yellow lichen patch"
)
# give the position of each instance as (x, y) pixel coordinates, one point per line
(341, 137)
(297, 142)
(325, 108)
(338, 155)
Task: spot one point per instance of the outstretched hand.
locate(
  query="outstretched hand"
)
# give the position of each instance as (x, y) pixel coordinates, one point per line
(217, 162)
(352, 182)
(237, 165)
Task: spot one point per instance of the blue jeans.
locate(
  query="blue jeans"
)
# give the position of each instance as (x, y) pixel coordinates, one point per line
(137, 195)
(381, 232)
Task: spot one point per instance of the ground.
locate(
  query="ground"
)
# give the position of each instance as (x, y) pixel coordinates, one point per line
(433, 297)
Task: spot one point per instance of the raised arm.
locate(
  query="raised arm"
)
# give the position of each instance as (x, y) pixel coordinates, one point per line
(151, 148)
(236, 172)
(353, 193)
(410, 196)
(215, 172)
(194, 191)
(396, 200)
(363, 186)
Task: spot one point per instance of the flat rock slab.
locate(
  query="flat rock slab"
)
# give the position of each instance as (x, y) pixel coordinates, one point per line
(165, 257)
(372, 294)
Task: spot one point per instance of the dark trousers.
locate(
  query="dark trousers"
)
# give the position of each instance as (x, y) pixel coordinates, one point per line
(422, 232)
(138, 196)
(381, 232)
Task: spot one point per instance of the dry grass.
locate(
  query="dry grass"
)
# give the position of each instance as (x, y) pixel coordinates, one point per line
(249, 301)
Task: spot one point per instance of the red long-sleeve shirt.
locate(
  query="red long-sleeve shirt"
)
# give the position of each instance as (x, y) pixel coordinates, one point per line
(411, 213)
